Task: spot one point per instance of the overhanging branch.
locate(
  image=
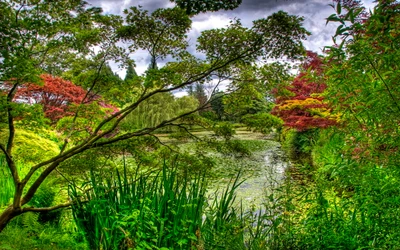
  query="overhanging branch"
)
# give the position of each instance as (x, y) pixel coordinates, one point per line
(46, 209)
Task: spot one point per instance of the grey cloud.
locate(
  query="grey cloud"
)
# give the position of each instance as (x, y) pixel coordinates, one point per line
(108, 6)
(151, 5)
(264, 5)
(117, 6)
(314, 12)
(98, 2)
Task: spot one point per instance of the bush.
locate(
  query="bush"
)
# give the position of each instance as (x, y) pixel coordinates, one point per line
(45, 197)
(225, 130)
(262, 122)
(347, 204)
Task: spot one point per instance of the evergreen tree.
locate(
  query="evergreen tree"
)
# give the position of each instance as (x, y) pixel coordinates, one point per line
(130, 73)
(198, 92)
(217, 104)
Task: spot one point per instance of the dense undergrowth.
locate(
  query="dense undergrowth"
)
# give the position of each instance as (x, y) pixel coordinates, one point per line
(339, 201)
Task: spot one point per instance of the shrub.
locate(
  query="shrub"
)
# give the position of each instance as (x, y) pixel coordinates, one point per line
(225, 130)
(262, 122)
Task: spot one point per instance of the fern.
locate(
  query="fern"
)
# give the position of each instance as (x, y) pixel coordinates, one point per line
(30, 222)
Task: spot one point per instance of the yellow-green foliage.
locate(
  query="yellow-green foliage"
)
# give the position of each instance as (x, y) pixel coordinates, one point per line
(30, 147)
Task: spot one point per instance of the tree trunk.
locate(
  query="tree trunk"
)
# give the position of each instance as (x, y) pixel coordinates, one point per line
(7, 215)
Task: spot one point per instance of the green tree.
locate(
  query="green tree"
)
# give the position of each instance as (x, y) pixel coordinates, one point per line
(41, 36)
(252, 91)
(165, 36)
(157, 109)
(363, 83)
(130, 73)
(38, 37)
(217, 105)
(198, 92)
(353, 200)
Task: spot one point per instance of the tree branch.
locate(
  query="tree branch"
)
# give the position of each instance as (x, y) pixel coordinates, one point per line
(46, 209)
(10, 117)
(160, 142)
(33, 188)
(182, 126)
(140, 132)
(384, 83)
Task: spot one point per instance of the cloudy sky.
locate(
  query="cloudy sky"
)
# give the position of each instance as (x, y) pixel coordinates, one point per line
(314, 11)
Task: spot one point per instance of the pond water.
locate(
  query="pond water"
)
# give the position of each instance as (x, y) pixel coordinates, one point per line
(267, 177)
(261, 173)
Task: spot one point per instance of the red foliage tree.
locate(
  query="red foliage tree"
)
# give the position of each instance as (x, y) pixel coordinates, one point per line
(303, 106)
(56, 96)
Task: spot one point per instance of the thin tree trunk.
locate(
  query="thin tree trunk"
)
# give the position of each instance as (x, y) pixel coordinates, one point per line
(7, 215)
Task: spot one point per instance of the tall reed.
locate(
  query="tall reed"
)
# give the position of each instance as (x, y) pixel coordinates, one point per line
(145, 212)
(168, 210)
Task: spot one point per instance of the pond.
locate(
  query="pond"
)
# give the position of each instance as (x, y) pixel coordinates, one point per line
(262, 172)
